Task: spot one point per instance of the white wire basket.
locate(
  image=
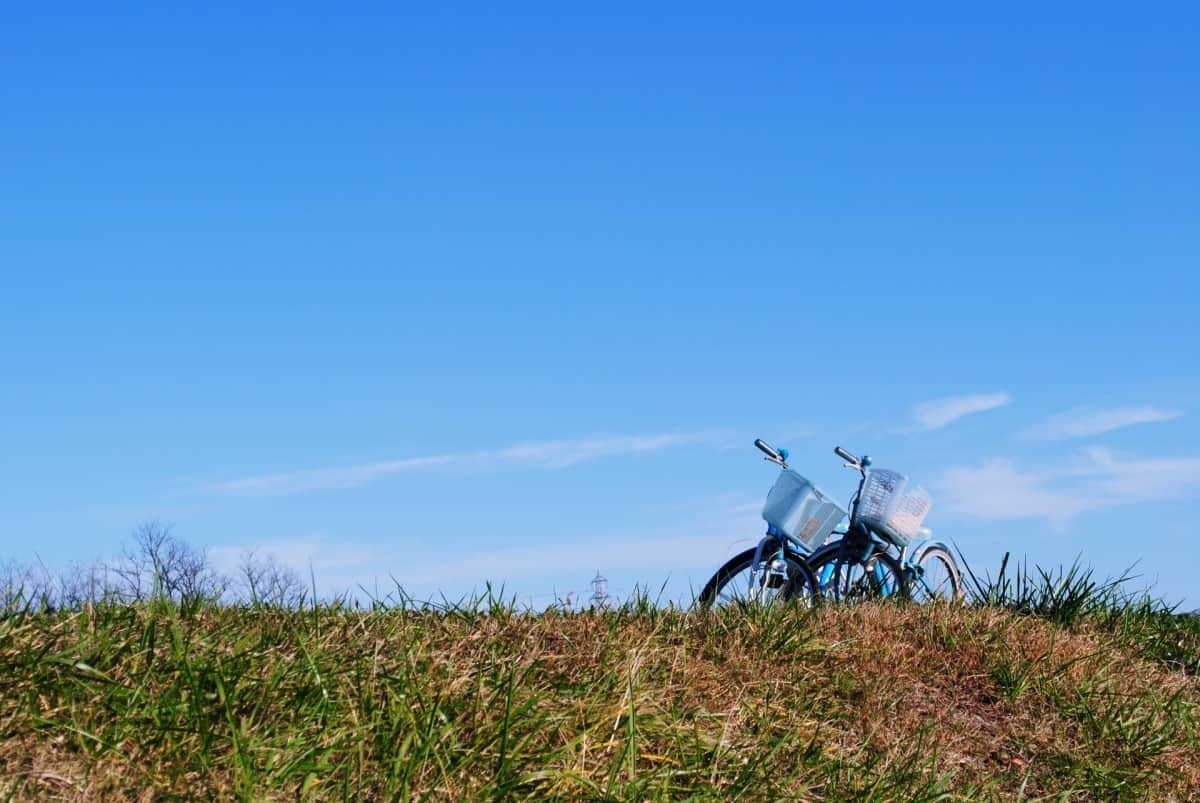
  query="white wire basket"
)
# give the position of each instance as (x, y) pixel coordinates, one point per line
(890, 508)
(798, 508)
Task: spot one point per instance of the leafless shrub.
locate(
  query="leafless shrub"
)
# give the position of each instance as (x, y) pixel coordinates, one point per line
(263, 581)
(81, 584)
(19, 589)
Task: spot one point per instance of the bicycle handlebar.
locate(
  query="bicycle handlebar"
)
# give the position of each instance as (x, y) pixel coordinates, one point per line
(849, 458)
(767, 449)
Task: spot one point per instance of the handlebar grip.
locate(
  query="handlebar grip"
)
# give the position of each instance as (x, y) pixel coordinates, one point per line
(842, 453)
(767, 449)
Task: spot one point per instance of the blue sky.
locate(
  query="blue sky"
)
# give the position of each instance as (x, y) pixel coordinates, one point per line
(471, 294)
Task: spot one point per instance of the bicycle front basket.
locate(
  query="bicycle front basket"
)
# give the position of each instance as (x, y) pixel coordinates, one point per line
(798, 509)
(886, 507)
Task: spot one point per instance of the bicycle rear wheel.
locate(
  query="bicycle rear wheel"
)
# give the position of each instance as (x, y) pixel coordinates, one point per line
(743, 581)
(845, 576)
(936, 577)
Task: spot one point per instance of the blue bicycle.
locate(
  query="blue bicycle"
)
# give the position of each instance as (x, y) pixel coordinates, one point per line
(776, 569)
(884, 551)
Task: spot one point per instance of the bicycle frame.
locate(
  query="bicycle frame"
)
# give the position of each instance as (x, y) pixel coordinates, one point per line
(871, 543)
(778, 542)
(859, 545)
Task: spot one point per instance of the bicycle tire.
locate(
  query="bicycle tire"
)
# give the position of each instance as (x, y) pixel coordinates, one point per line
(848, 579)
(937, 577)
(722, 588)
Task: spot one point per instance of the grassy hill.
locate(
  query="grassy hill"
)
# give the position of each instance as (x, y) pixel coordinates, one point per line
(880, 701)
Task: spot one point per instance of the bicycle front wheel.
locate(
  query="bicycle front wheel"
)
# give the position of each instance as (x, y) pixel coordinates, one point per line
(742, 580)
(936, 577)
(844, 576)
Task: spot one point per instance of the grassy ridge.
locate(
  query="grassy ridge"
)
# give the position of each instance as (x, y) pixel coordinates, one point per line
(869, 702)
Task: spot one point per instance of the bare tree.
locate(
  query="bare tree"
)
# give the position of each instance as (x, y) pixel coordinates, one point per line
(265, 581)
(157, 564)
(19, 589)
(81, 584)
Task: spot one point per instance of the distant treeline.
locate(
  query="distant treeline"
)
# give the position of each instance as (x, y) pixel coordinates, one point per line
(154, 564)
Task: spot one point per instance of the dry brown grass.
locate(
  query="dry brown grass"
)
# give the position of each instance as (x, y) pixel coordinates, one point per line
(869, 702)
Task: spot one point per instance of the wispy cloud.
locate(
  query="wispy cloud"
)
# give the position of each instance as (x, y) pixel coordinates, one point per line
(1146, 479)
(318, 553)
(1097, 480)
(294, 482)
(337, 566)
(713, 533)
(998, 489)
(1083, 422)
(937, 413)
(553, 454)
(660, 553)
(565, 453)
